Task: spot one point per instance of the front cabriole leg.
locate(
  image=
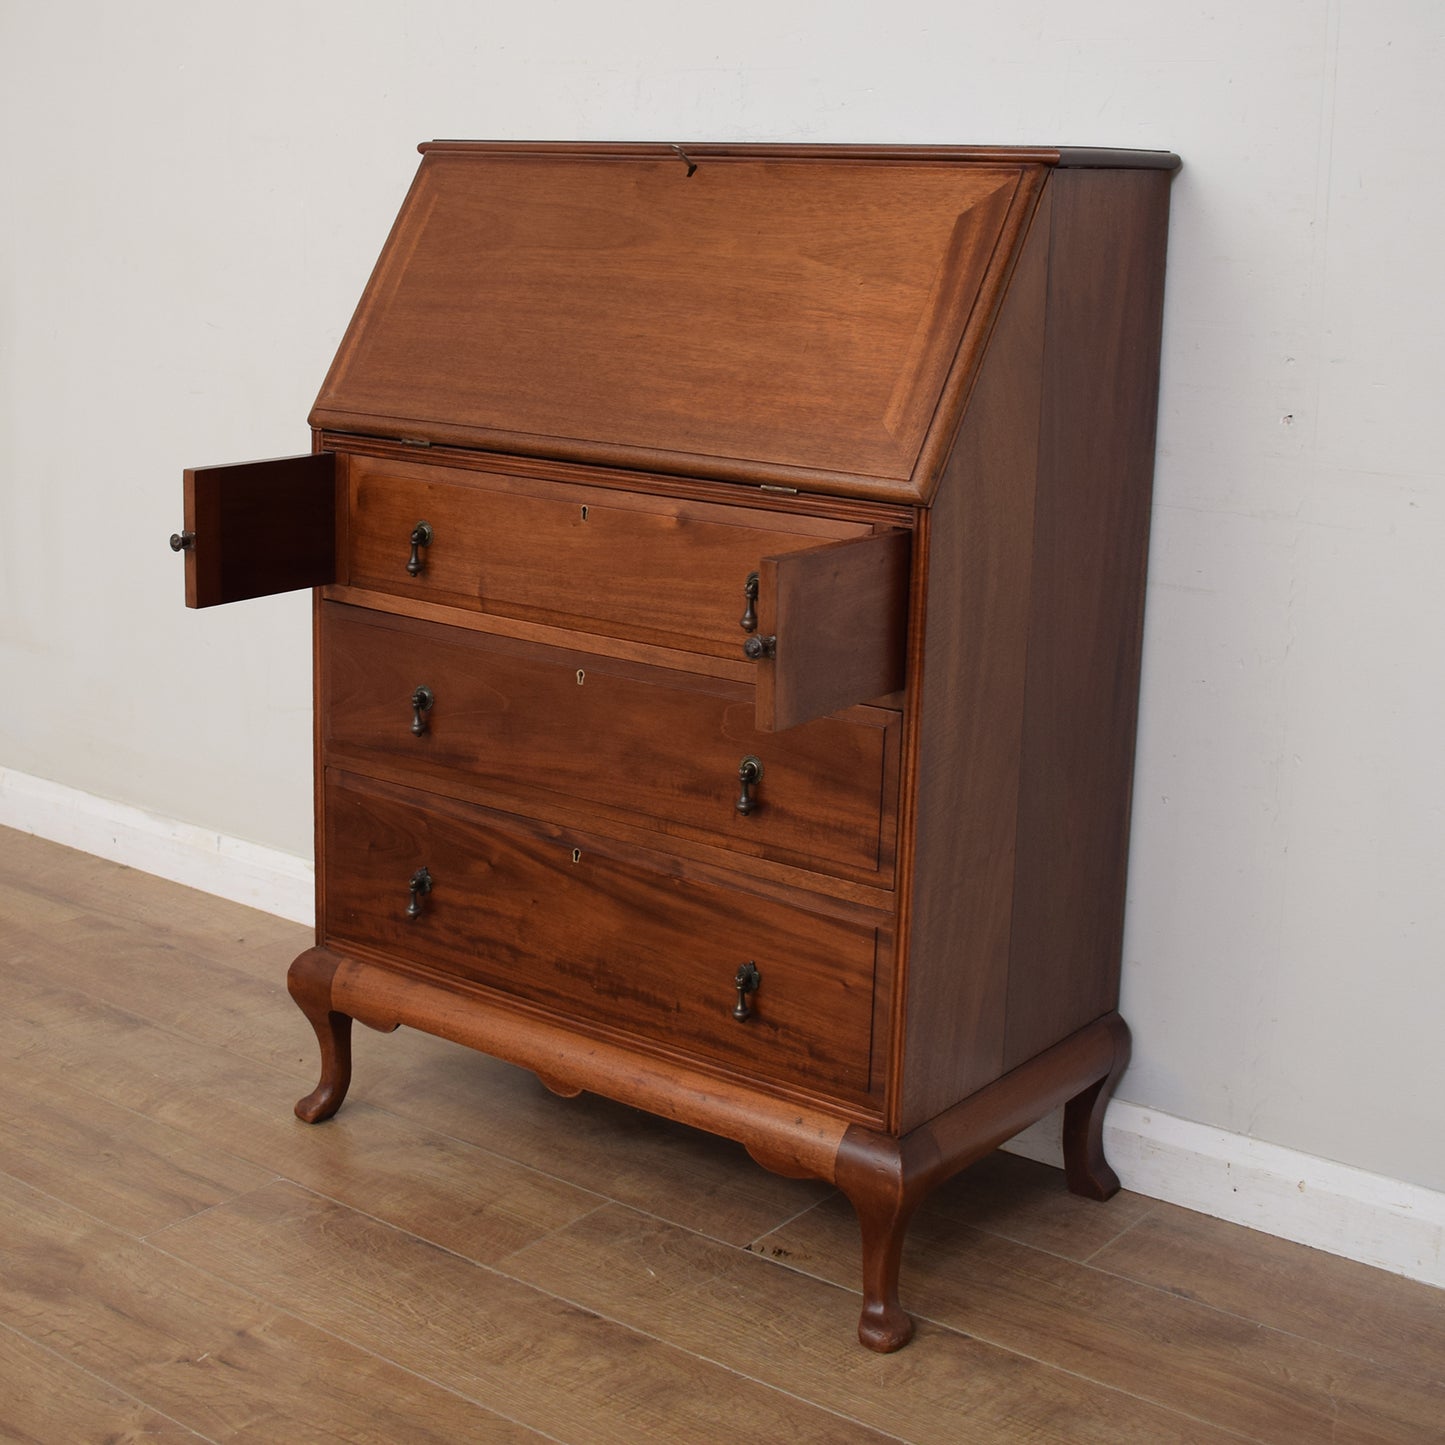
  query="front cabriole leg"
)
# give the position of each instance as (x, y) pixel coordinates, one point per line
(886, 1178)
(870, 1172)
(309, 982)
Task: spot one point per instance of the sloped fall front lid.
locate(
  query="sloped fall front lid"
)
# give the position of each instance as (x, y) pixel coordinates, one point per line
(753, 315)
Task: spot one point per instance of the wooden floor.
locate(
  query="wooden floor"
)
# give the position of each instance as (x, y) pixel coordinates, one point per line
(462, 1256)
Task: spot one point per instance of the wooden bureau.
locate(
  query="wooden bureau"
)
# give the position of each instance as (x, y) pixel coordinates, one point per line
(729, 572)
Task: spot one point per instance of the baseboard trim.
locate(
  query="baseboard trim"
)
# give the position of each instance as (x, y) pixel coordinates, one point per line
(1345, 1211)
(264, 878)
(1342, 1210)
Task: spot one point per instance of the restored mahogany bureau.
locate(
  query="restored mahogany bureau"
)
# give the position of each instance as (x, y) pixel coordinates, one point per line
(729, 570)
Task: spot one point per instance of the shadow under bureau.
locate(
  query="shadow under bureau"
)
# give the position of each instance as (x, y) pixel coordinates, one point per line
(729, 572)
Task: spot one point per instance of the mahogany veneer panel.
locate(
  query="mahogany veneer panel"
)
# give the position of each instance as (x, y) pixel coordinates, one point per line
(978, 551)
(665, 571)
(535, 727)
(776, 311)
(562, 922)
(1091, 542)
(258, 528)
(837, 618)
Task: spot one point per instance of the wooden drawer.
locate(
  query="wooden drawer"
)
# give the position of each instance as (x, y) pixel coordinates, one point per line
(539, 729)
(654, 569)
(608, 940)
(664, 571)
(817, 604)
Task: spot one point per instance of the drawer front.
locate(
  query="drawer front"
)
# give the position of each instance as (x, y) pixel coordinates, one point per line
(657, 570)
(605, 940)
(537, 728)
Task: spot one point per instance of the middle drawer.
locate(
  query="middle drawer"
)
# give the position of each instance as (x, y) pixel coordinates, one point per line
(538, 728)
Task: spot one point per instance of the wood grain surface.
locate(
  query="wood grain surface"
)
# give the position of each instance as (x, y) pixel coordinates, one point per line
(665, 571)
(540, 730)
(1091, 529)
(564, 923)
(1205, 1363)
(838, 619)
(259, 528)
(768, 310)
(969, 649)
(462, 1255)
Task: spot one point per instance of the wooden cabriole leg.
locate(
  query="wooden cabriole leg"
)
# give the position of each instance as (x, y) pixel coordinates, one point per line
(871, 1173)
(885, 1178)
(1086, 1170)
(309, 982)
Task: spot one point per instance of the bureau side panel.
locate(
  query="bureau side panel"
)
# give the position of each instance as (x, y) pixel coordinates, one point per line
(976, 553)
(1096, 460)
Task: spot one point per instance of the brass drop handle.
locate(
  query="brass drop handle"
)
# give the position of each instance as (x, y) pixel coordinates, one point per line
(421, 704)
(421, 536)
(747, 982)
(182, 541)
(750, 774)
(749, 620)
(420, 887)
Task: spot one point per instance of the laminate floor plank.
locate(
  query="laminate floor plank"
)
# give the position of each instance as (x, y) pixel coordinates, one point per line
(798, 1333)
(28, 916)
(115, 1164)
(204, 994)
(174, 982)
(56, 878)
(1023, 1200)
(1143, 1341)
(465, 1198)
(46, 1400)
(207, 1354)
(461, 1255)
(1336, 1302)
(569, 1372)
(694, 1179)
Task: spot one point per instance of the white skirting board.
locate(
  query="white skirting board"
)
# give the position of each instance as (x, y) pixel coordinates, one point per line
(246, 873)
(1345, 1211)
(1378, 1221)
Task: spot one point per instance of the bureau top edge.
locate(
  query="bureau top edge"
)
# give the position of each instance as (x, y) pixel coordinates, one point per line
(1094, 157)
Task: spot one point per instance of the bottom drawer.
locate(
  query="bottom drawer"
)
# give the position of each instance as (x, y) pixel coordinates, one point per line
(611, 942)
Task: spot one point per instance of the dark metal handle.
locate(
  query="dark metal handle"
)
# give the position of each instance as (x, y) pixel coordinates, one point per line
(746, 982)
(750, 774)
(420, 887)
(421, 536)
(749, 620)
(756, 647)
(421, 702)
(182, 541)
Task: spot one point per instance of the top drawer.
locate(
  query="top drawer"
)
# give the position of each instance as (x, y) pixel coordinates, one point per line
(818, 603)
(659, 570)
